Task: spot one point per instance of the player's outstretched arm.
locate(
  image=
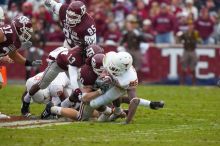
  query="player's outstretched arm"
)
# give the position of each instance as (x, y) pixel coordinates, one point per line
(134, 102)
(18, 58)
(53, 6)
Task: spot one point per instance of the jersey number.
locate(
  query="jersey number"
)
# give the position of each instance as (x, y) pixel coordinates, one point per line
(7, 29)
(133, 83)
(91, 30)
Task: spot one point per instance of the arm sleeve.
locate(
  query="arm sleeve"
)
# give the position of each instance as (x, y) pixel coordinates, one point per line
(73, 75)
(53, 6)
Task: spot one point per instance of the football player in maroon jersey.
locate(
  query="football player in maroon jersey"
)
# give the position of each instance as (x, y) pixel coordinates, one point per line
(4, 59)
(14, 36)
(87, 76)
(78, 26)
(73, 58)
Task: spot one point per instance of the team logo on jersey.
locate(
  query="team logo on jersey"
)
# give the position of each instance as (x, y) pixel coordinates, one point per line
(23, 19)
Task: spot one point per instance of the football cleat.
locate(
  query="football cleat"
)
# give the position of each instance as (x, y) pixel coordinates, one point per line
(156, 104)
(25, 109)
(47, 112)
(115, 116)
(103, 117)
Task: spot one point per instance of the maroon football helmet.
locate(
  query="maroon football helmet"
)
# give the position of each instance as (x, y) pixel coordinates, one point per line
(91, 50)
(74, 13)
(97, 63)
(23, 27)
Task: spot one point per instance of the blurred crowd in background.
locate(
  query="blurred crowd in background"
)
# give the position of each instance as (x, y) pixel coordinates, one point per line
(156, 21)
(127, 23)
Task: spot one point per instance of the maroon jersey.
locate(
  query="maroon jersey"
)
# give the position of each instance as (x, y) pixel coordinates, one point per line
(87, 75)
(11, 40)
(72, 57)
(163, 23)
(83, 34)
(205, 27)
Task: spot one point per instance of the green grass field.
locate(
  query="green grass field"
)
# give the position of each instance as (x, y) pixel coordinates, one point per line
(191, 117)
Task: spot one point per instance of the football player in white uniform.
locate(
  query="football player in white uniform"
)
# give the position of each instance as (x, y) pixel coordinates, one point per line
(122, 75)
(57, 91)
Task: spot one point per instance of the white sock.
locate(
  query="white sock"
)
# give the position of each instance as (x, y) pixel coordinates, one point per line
(56, 100)
(27, 98)
(66, 103)
(144, 102)
(107, 111)
(56, 110)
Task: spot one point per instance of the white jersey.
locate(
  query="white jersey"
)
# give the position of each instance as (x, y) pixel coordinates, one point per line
(128, 79)
(60, 84)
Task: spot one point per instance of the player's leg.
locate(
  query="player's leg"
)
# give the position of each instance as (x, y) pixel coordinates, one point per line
(192, 65)
(133, 104)
(65, 112)
(56, 110)
(117, 111)
(85, 112)
(111, 95)
(49, 75)
(105, 111)
(184, 60)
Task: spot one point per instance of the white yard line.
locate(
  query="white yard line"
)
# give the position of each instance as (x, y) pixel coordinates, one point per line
(33, 123)
(44, 125)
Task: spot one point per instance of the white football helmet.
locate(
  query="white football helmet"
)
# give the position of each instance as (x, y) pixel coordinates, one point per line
(2, 16)
(117, 63)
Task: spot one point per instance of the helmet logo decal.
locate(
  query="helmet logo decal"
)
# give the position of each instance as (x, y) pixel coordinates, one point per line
(23, 20)
(83, 10)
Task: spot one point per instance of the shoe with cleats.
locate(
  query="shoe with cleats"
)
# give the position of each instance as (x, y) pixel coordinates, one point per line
(156, 105)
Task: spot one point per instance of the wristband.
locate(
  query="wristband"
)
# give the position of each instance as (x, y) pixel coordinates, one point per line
(28, 63)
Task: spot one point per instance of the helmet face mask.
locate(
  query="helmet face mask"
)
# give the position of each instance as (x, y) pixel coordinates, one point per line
(72, 18)
(23, 27)
(75, 12)
(119, 63)
(26, 34)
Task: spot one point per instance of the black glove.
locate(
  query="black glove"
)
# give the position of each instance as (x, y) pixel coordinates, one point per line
(103, 81)
(33, 63)
(76, 95)
(104, 88)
